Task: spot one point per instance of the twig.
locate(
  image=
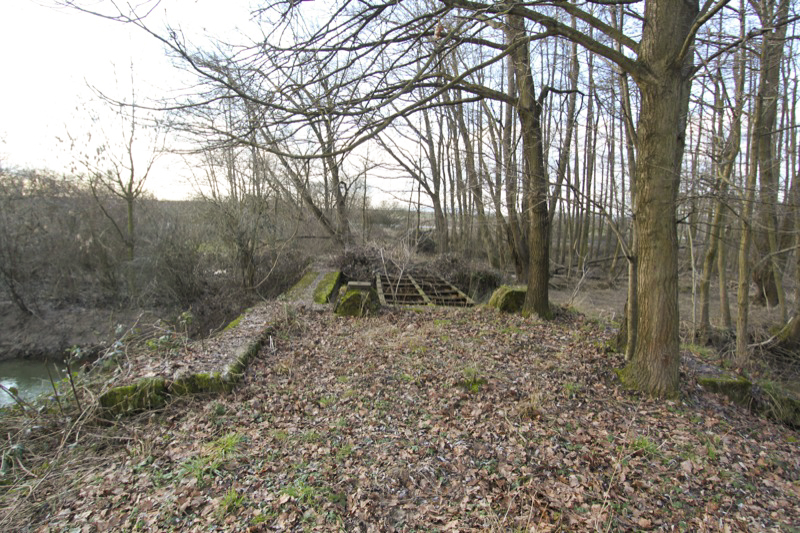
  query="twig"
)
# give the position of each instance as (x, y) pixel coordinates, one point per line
(72, 384)
(22, 466)
(55, 390)
(22, 403)
(578, 286)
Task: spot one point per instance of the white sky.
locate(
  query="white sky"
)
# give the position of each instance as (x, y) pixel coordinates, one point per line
(51, 55)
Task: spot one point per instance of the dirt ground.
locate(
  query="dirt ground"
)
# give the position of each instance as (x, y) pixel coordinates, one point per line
(414, 420)
(54, 330)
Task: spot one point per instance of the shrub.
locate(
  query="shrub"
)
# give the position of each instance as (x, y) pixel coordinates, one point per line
(476, 281)
(361, 263)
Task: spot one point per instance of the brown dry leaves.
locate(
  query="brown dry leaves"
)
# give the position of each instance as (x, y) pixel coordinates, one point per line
(440, 419)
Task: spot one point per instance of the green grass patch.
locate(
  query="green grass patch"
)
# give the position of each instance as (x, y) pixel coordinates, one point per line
(231, 502)
(645, 446)
(226, 446)
(473, 380)
(703, 352)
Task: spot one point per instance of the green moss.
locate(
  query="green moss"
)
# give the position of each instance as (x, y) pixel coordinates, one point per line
(326, 287)
(473, 380)
(199, 383)
(765, 397)
(613, 345)
(149, 393)
(244, 354)
(508, 299)
(152, 393)
(625, 377)
(235, 322)
(358, 303)
(738, 389)
(296, 291)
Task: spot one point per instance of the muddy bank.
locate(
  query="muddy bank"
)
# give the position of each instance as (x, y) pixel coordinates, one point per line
(54, 331)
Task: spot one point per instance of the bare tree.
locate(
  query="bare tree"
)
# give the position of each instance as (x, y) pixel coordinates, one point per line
(17, 227)
(762, 167)
(119, 165)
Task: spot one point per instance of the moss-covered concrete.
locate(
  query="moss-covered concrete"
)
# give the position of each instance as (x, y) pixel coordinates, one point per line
(149, 393)
(243, 356)
(153, 393)
(766, 398)
(235, 322)
(201, 382)
(508, 299)
(326, 287)
(736, 388)
(358, 303)
(299, 288)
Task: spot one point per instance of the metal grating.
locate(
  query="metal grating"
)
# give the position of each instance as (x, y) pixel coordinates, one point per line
(419, 290)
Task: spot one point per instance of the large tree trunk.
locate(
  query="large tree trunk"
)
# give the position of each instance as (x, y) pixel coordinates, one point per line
(660, 140)
(768, 273)
(529, 110)
(790, 334)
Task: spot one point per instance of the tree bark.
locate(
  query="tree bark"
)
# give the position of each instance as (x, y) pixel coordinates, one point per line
(516, 233)
(660, 143)
(767, 274)
(529, 110)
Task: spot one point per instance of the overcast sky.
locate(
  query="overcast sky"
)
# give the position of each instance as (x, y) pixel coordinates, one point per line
(50, 57)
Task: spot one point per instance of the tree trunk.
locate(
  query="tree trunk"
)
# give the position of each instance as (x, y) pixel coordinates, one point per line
(745, 221)
(724, 169)
(790, 334)
(129, 241)
(516, 233)
(529, 110)
(474, 182)
(660, 142)
(768, 273)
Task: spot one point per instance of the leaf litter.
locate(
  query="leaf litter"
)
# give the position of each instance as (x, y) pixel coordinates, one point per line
(432, 419)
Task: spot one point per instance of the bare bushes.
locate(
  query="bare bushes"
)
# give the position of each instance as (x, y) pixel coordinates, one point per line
(476, 280)
(46, 240)
(285, 268)
(361, 263)
(172, 272)
(59, 248)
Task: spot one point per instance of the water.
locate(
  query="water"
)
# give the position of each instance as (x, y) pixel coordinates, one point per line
(29, 377)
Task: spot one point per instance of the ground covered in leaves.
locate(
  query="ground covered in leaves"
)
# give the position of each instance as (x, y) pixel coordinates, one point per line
(432, 419)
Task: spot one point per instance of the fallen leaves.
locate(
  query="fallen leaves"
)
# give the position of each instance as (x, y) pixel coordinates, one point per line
(367, 424)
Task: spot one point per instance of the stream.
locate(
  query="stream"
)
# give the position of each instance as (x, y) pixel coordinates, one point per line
(28, 376)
